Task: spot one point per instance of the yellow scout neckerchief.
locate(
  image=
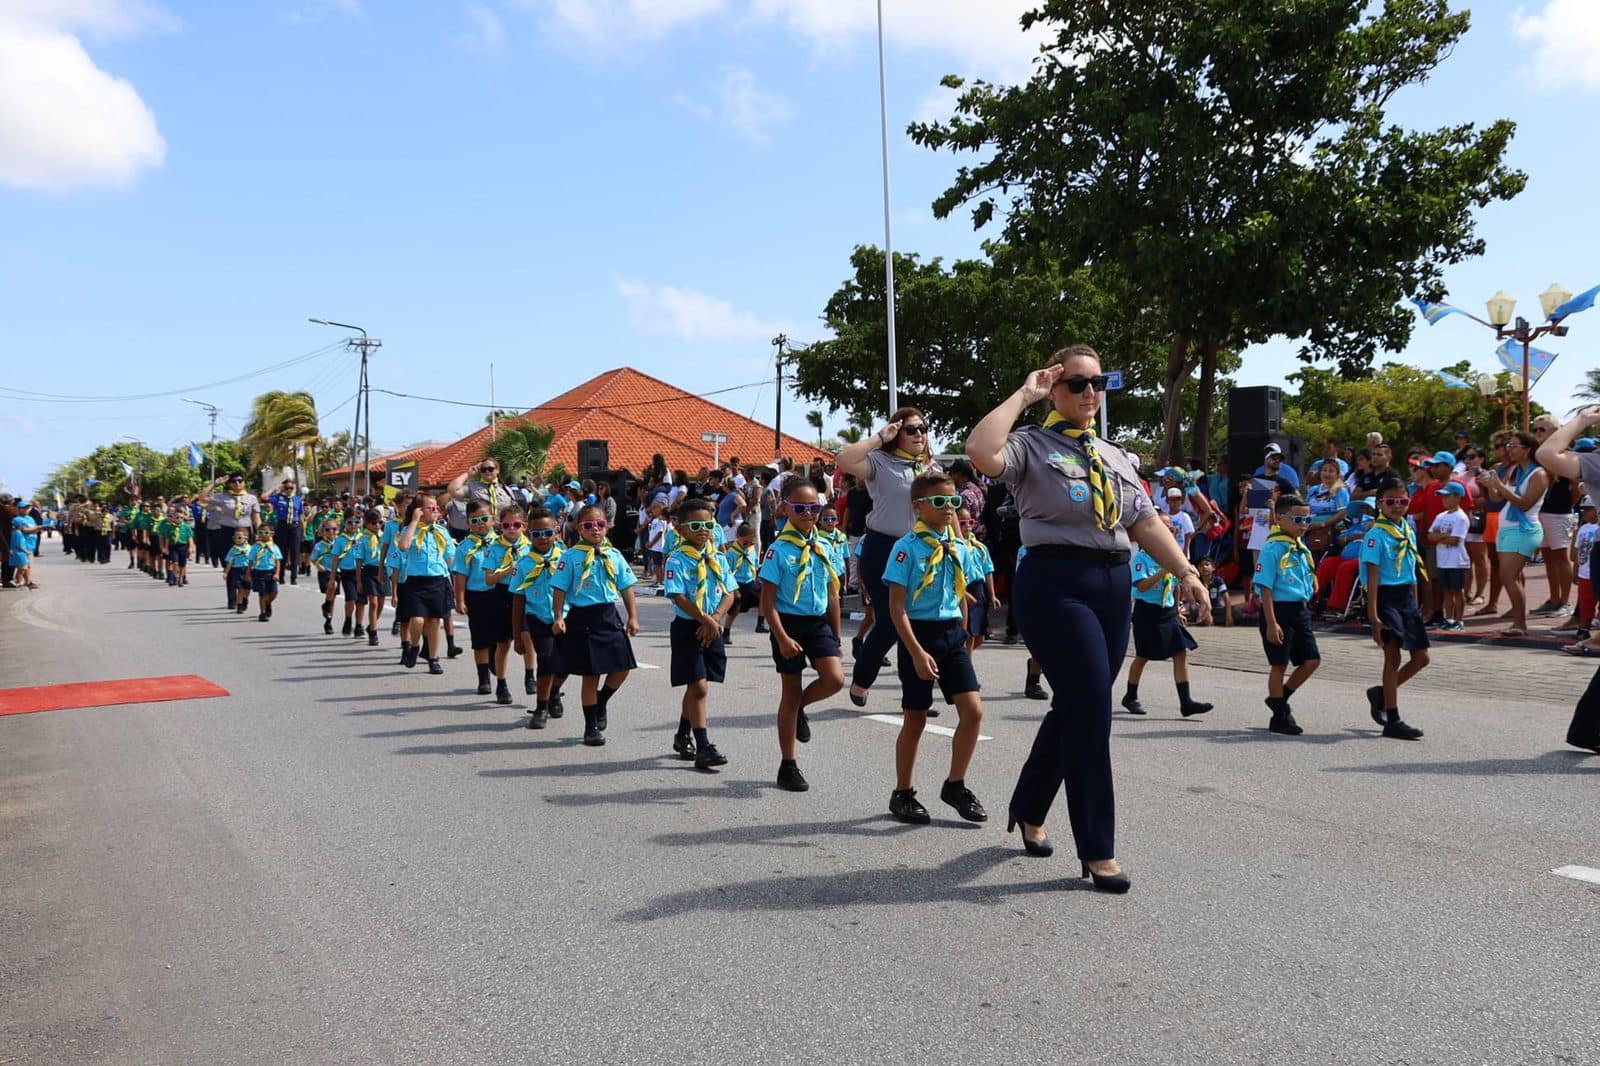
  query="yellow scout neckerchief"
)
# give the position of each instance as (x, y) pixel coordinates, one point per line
(1107, 504)
(943, 548)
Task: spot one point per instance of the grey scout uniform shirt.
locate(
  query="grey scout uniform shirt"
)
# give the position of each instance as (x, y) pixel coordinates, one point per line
(889, 481)
(1049, 476)
(221, 511)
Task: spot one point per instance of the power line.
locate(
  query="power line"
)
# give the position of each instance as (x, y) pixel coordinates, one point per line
(53, 397)
(575, 407)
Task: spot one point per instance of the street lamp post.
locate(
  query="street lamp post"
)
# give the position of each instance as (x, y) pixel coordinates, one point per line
(363, 400)
(1500, 307)
(1489, 388)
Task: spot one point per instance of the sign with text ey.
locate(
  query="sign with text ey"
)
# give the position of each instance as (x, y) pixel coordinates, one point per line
(401, 476)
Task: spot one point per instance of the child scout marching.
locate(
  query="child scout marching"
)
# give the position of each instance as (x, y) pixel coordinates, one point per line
(1286, 581)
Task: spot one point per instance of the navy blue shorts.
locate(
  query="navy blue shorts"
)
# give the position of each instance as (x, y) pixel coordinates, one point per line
(263, 581)
(489, 615)
(946, 641)
(1451, 578)
(546, 653)
(749, 598)
(1401, 617)
(978, 617)
(350, 586)
(179, 554)
(238, 578)
(692, 662)
(323, 577)
(815, 636)
(373, 583)
(1299, 642)
(596, 642)
(1157, 633)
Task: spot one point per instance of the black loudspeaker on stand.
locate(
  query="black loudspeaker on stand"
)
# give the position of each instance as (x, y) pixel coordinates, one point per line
(1255, 409)
(594, 458)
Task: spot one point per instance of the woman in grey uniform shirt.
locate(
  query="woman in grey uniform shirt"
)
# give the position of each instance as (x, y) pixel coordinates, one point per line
(1080, 502)
(887, 463)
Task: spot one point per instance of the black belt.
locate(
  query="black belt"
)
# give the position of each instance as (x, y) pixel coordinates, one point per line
(1104, 556)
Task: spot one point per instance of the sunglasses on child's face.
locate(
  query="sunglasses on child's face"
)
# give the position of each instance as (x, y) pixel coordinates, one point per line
(941, 502)
(479, 519)
(510, 525)
(1397, 501)
(830, 518)
(1300, 519)
(592, 525)
(1078, 383)
(541, 534)
(699, 526)
(805, 508)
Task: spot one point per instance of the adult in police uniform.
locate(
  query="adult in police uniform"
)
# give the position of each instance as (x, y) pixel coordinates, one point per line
(887, 463)
(1081, 505)
(288, 512)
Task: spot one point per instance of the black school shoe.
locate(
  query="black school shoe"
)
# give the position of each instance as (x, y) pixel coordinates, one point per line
(537, 718)
(502, 692)
(530, 683)
(1284, 723)
(372, 638)
(1397, 729)
(345, 629)
(408, 656)
(327, 609)
(802, 728)
(557, 708)
(683, 744)
(709, 758)
(1375, 703)
(394, 628)
(905, 807)
(435, 666)
(1194, 707)
(1132, 705)
(483, 687)
(959, 796)
(327, 627)
(361, 630)
(1033, 690)
(790, 779)
(452, 649)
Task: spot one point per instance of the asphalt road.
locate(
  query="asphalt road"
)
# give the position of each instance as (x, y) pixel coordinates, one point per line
(347, 862)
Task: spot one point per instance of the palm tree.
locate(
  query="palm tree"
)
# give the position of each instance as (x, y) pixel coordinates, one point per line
(814, 420)
(521, 449)
(1589, 392)
(280, 423)
(851, 434)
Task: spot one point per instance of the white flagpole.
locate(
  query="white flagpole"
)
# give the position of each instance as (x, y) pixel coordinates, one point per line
(888, 230)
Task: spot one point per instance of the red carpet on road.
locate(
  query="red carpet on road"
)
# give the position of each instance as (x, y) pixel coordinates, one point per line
(107, 693)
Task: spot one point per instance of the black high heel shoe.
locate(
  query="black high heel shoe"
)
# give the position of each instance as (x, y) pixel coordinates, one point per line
(1116, 884)
(1039, 849)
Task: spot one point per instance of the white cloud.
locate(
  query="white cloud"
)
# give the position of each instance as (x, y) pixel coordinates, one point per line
(1566, 42)
(693, 106)
(670, 310)
(488, 33)
(613, 22)
(67, 123)
(749, 108)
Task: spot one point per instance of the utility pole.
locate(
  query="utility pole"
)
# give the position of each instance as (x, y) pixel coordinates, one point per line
(494, 412)
(211, 412)
(364, 345)
(888, 228)
(780, 342)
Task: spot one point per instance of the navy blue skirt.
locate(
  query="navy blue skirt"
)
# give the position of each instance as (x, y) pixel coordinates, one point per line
(596, 642)
(1157, 633)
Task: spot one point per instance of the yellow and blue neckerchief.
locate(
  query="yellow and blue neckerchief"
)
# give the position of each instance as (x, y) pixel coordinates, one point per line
(1107, 502)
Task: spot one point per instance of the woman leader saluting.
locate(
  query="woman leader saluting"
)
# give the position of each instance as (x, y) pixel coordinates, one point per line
(887, 462)
(1079, 500)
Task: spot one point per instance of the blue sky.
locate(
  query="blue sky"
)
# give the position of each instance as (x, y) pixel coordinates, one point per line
(558, 187)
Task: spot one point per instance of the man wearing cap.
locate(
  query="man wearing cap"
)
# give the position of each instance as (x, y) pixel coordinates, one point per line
(288, 512)
(1426, 505)
(1182, 524)
(1274, 467)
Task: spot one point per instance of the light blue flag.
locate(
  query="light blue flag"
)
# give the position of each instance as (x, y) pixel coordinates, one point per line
(1581, 302)
(127, 470)
(1452, 381)
(1539, 360)
(91, 482)
(195, 455)
(1434, 312)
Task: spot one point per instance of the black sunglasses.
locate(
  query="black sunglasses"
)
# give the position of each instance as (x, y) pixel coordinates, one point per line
(916, 429)
(1077, 384)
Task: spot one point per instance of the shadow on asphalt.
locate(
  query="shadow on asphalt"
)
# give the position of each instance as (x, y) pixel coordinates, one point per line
(949, 881)
(798, 834)
(486, 747)
(667, 797)
(454, 727)
(1560, 761)
(1244, 736)
(588, 769)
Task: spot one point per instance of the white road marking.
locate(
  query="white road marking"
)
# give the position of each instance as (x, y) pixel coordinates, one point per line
(647, 666)
(894, 720)
(1579, 873)
(28, 612)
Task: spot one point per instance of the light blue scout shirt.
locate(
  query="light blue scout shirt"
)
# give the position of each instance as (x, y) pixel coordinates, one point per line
(908, 567)
(1284, 568)
(982, 561)
(430, 553)
(588, 582)
(1394, 549)
(743, 562)
(838, 550)
(322, 552)
(532, 580)
(239, 555)
(801, 589)
(1164, 592)
(345, 549)
(369, 549)
(475, 556)
(265, 556)
(683, 579)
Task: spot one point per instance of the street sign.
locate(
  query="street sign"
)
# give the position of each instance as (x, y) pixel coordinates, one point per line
(1113, 380)
(402, 475)
(714, 438)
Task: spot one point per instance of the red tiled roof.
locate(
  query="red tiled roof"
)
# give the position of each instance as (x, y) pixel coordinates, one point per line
(638, 416)
(380, 465)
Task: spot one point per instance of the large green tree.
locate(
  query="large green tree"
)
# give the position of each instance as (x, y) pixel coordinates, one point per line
(521, 448)
(968, 332)
(1234, 159)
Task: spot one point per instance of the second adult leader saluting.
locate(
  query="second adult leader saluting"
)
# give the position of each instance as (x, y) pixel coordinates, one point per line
(1080, 502)
(887, 463)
